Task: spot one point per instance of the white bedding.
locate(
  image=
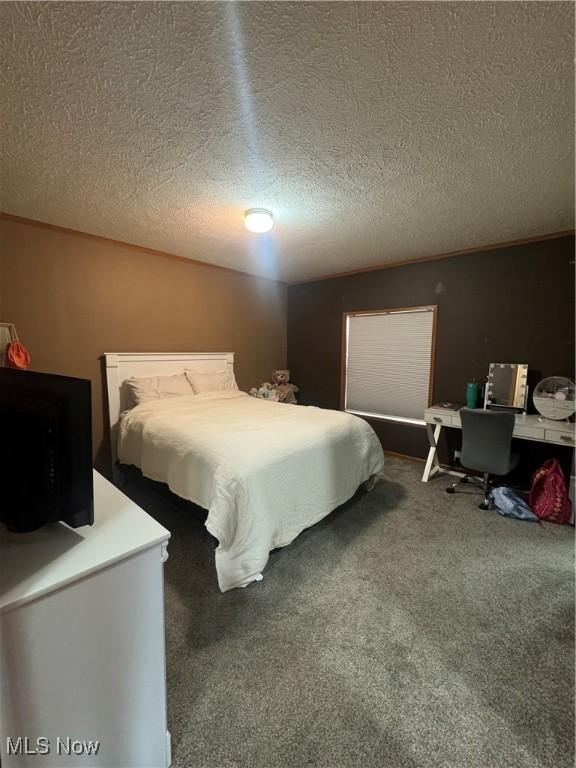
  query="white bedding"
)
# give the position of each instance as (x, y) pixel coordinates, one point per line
(264, 471)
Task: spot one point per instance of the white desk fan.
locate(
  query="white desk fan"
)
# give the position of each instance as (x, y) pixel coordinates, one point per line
(554, 398)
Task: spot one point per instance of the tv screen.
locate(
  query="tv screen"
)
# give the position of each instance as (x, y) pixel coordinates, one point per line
(45, 450)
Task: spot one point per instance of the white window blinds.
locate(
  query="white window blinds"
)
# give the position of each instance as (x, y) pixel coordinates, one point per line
(388, 359)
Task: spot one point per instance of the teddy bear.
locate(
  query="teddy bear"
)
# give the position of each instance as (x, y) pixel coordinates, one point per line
(286, 391)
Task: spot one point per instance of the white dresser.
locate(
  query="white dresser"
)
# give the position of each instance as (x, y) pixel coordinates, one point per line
(82, 655)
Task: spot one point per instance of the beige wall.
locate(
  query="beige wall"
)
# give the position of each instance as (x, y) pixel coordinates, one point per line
(73, 297)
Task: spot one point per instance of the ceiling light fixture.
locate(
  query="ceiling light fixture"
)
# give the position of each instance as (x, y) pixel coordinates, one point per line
(258, 220)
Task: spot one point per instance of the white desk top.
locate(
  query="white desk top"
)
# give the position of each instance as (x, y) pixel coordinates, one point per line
(33, 564)
(526, 426)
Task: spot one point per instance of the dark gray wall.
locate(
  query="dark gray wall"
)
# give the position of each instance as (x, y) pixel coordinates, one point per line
(513, 304)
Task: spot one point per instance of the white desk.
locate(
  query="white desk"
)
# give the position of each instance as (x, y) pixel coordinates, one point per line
(526, 427)
(82, 651)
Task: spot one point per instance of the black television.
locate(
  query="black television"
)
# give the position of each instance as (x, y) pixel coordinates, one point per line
(45, 450)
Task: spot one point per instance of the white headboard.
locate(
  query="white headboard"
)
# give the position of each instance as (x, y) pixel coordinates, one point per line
(122, 365)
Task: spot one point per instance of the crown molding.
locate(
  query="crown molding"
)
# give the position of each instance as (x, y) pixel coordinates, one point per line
(133, 246)
(197, 262)
(437, 257)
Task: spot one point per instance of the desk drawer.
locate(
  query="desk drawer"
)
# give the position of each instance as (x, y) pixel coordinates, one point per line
(532, 433)
(562, 438)
(438, 418)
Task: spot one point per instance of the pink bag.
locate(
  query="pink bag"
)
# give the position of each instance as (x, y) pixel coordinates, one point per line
(548, 493)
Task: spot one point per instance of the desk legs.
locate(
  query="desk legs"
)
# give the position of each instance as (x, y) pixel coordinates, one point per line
(432, 463)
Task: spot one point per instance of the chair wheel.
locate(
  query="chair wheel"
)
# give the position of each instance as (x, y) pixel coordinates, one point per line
(464, 479)
(450, 490)
(483, 505)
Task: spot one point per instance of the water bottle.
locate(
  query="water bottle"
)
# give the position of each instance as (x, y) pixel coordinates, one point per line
(472, 393)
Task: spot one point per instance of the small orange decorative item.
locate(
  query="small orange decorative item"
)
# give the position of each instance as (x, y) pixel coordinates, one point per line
(16, 355)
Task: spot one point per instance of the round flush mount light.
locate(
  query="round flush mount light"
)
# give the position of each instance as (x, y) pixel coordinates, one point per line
(258, 220)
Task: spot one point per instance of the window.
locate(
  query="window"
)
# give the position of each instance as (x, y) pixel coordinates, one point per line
(388, 362)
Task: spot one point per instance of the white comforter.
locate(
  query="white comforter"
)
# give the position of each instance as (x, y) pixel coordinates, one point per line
(264, 471)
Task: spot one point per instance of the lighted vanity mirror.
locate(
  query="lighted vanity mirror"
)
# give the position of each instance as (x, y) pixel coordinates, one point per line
(507, 386)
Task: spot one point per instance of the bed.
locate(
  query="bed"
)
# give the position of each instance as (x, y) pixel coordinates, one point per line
(264, 471)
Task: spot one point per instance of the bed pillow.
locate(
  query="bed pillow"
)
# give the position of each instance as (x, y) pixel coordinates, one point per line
(157, 387)
(214, 381)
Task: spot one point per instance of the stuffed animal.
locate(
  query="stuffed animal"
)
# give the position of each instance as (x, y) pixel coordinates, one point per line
(286, 391)
(265, 392)
(281, 391)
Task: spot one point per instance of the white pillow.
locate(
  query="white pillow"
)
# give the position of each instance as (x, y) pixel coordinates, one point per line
(214, 381)
(157, 387)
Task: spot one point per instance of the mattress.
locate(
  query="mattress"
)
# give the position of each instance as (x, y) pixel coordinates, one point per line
(264, 471)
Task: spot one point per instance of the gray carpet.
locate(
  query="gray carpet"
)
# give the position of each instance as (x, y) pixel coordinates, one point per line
(409, 629)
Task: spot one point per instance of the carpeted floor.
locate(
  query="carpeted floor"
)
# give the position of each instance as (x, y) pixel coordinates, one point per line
(409, 629)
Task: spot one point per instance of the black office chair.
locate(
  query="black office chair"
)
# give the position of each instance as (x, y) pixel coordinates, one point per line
(486, 444)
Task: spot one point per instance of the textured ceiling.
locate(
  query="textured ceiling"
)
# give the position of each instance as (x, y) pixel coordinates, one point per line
(376, 132)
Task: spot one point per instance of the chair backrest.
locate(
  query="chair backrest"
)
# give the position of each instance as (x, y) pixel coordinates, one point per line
(486, 440)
